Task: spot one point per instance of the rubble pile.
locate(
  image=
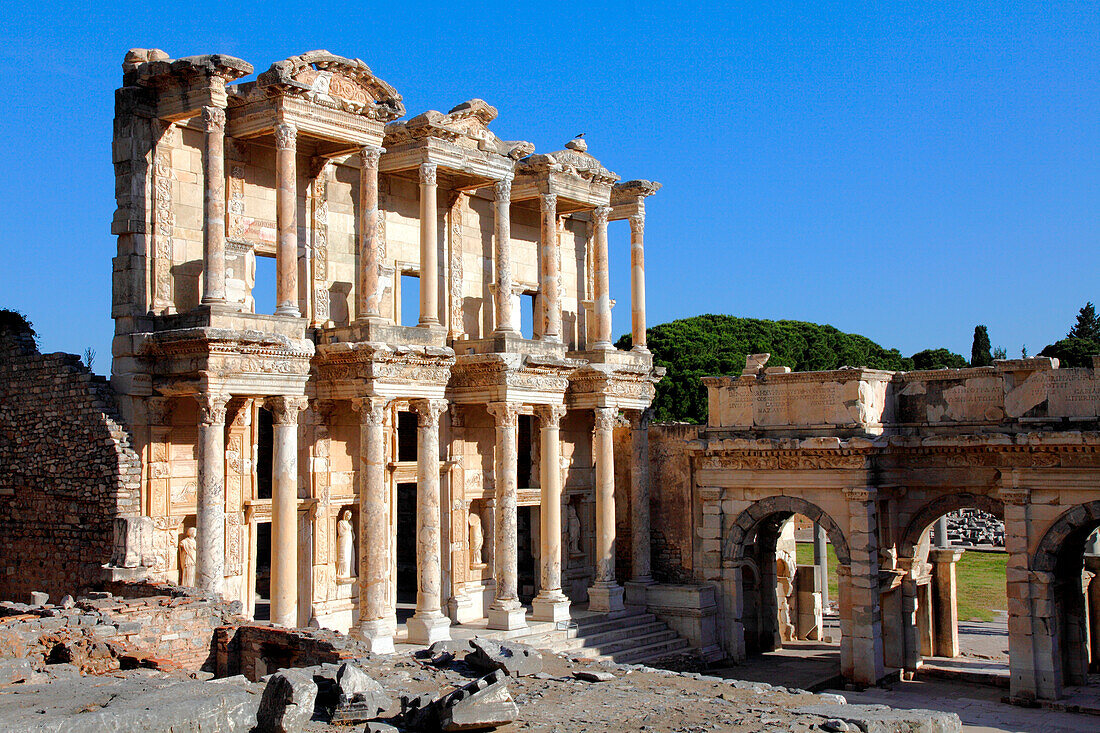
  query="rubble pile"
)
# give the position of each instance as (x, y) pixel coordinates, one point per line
(973, 527)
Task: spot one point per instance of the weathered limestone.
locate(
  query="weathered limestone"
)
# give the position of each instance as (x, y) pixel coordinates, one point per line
(821, 562)
(429, 282)
(213, 159)
(210, 514)
(640, 549)
(284, 510)
(549, 269)
(375, 615)
(601, 277)
(286, 215)
(428, 625)
(506, 611)
(370, 290)
(550, 604)
(945, 604)
(605, 594)
(502, 241)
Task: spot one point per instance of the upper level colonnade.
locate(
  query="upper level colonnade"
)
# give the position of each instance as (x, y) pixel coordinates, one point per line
(310, 163)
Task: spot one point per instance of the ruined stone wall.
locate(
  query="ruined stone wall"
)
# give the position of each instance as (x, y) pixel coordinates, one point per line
(255, 651)
(66, 470)
(672, 506)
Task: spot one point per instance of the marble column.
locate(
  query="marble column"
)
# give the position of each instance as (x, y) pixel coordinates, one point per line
(945, 606)
(376, 617)
(939, 534)
(210, 503)
(821, 564)
(429, 243)
(428, 625)
(213, 214)
(605, 594)
(551, 604)
(506, 612)
(602, 280)
(549, 270)
(637, 279)
(284, 509)
(502, 287)
(370, 282)
(640, 559)
(286, 220)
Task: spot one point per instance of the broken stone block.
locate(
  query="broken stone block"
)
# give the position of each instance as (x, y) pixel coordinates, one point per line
(875, 718)
(515, 660)
(133, 546)
(287, 703)
(443, 652)
(67, 602)
(360, 697)
(589, 675)
(484, 703)
(38, 598)
(15, 670)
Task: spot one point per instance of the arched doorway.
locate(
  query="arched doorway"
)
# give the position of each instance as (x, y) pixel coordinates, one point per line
(777, 596)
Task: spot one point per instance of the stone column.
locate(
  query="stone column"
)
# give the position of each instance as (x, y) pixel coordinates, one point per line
(286, 220)
(821, 564)
(602, 282)
(637, 278)
(428, 625)
(640, 559)
(939, 534)
(429, 242)
(859, 594)
(910, 608)
(550, 604)
(370, 283)
(213, 214)
(605, 594)
(284, 509)
(210, 509)
(506, 612)
(945, 606)
(376, 618)
(503, 286)
(549, 269)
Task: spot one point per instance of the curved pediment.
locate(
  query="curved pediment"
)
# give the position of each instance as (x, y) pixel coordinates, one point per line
(326, 78)
(468, 121)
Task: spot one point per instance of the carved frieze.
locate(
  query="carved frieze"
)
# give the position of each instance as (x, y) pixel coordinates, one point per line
(784, 461)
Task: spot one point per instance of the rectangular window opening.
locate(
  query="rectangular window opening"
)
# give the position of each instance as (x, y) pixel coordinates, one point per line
(410, 299)
(528, 314)
(264, 289)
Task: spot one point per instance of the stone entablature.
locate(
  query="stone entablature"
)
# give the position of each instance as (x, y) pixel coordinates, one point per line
(1011, 396)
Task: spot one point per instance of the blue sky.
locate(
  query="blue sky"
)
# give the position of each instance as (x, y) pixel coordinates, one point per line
(900, 170)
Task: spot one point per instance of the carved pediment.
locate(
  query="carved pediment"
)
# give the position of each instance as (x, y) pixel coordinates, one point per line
(574, 160)
(332, 80)
(467, 123)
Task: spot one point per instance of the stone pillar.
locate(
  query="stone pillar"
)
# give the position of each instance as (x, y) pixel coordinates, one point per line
(370, 282)
(821, 564)
(605, 594)
(910, 608)
(506, 612)
(640, 556)
(550, 604)
(428, 625)
(945, 605)
(924, 618)
(859, 596)
(286, 220)
(210, 503)
(213, 214)
(502, 291)
(284, 509)
(939, 534)
(429, 242)
(1034, 659)
(549, 269)
(376, 618)
(637, 279)
(602, 280)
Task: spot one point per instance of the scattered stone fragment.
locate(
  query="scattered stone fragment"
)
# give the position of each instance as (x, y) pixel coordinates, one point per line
(15, 670)
(287, 703)
(834, 724)
(360, 697)
(376, 726)
(882, 719)
(516, 660)
(67, 602)
(589, 675)
(38, 598)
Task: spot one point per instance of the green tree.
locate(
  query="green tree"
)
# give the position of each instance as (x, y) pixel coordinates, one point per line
(1087, 326)
(979, 353)
(938, 359)
(1072, 352)
(1000, 353)
(712, 345)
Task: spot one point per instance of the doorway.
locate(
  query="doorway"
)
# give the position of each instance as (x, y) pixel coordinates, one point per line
(406, 551)
(262, 589)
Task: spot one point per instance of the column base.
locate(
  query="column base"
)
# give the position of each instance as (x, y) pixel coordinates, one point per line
(551, 607)
(507, 619)
(635, 591)
(376, 635)
(428, 629)
(606, 598)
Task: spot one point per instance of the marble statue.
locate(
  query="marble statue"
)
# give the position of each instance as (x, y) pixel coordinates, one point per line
(345, 544)
(573, 528)
(477, 540)
(188, 552)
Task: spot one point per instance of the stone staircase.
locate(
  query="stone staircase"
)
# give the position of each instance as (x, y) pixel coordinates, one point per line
(628, 637)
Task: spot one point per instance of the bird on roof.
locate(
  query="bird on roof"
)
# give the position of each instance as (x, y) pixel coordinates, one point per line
(578, 136)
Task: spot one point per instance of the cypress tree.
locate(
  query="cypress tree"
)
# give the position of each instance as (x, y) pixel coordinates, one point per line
(980, 354)
(1087, 326)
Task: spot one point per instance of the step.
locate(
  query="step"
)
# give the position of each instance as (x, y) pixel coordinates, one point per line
(626, 645)
(608, 637)
(651, 653)
(598, 623)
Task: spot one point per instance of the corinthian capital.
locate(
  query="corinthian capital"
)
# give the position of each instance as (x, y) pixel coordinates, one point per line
(640, 419)
(607, 418)
(600, 214)
(427, 173)
(285, 410)
(428, 412)
(548, 203)
(213, 119)
(212, 408)
(369, 156)
(506, 413)
(286, 136)
(637, 222)
(551, 415)
(503, 189)
(372, 410)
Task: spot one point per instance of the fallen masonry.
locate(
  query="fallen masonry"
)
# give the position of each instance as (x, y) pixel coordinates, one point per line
(275, 679)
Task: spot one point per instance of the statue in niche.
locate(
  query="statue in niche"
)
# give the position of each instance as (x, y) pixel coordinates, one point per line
(345, 544)
(188, 553)
(573, 529)
(477, 541)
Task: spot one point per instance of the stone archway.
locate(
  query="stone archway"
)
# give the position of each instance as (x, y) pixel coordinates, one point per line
(939, 506)
(750, 519)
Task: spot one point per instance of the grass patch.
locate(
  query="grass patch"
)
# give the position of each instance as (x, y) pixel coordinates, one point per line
(980, 577)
